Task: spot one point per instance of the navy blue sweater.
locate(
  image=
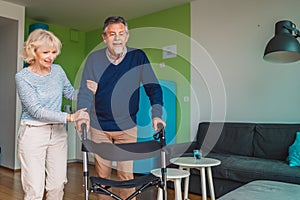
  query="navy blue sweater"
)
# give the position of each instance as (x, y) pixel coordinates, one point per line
(116, 102)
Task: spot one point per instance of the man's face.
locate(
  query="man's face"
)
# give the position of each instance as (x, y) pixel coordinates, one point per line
(116, 38)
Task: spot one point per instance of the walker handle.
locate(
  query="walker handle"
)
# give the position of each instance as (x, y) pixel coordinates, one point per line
(84, 132)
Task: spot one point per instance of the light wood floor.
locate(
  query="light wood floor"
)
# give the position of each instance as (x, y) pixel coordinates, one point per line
(11, 189)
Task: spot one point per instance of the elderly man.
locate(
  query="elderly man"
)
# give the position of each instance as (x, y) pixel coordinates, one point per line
(110, 91)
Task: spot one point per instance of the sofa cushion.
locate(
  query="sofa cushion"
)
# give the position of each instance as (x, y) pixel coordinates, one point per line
(246, 169)
(272, 141)
(231, 138)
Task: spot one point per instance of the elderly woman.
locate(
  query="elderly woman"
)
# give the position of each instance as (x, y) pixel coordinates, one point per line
(42, 136)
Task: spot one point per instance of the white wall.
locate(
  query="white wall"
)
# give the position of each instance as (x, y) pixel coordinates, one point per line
(11, 39)
(231, 81)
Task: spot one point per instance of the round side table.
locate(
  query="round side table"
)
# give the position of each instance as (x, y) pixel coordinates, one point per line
(174, 175)
(201, 164)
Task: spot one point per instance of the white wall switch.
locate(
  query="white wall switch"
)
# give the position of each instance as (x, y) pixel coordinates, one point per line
(170, 51)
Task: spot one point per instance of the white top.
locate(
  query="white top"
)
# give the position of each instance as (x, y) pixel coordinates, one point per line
(172, 173)
(192, 162)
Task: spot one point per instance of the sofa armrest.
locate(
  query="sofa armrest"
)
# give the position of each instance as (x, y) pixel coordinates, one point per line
(181, 149)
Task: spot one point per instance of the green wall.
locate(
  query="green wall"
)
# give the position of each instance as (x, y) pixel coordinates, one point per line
(151, 33)
(93, 38)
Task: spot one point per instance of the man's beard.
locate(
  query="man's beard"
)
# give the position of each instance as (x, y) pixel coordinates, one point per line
(118, 50)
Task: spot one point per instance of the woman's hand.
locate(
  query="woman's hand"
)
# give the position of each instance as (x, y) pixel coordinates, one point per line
(80, 117)
(92, 85)
(80, 114)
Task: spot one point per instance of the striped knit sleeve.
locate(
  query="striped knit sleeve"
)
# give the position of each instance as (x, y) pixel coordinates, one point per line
(68, 90)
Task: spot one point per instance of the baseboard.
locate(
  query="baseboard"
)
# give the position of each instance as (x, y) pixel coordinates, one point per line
(10, 169)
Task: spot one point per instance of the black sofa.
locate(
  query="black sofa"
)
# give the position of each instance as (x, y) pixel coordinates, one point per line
(247, 151)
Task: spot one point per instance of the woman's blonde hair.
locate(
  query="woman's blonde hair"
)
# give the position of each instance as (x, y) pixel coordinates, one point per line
(37, 39)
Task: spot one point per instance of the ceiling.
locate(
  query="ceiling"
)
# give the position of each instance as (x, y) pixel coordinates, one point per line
(86, 15)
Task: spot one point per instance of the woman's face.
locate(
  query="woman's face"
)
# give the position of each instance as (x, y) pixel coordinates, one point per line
(45, 56)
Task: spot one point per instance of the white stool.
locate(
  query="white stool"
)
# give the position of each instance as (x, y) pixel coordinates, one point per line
(174, 175)
(200, 164)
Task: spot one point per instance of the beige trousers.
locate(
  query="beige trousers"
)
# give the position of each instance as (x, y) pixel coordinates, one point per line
(42, 151)
(124, 168)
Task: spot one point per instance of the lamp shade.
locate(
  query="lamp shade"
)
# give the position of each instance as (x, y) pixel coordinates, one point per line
(283, 47)
(32, 27)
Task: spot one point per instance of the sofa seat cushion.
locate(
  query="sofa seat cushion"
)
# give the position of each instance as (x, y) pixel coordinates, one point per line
(246, 169)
